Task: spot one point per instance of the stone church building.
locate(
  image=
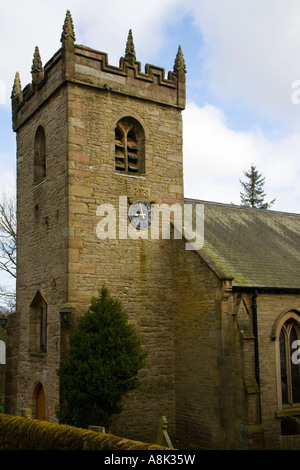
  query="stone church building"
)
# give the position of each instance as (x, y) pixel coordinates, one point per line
(220, 319)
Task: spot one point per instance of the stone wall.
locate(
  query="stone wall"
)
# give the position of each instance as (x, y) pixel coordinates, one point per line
(42, 253)
(212, 407)
(18, 433)
(197, 342)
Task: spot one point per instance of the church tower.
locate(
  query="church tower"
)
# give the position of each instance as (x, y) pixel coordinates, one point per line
(93, 139)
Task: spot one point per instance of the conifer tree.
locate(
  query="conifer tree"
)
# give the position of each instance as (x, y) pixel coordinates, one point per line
(254, 195)
(104, 358)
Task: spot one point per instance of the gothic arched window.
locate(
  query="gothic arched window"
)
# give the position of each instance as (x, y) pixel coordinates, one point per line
(129, 146)
(38, 324)
(289, 362)
(39, 155)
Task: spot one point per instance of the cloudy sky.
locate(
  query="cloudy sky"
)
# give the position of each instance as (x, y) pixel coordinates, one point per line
(243, 73)
(243, 77)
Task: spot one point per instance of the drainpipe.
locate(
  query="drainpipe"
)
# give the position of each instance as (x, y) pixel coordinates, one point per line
(254, 309)
(256, 355)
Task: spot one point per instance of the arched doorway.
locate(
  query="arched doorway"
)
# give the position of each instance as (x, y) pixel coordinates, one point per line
(40, 402)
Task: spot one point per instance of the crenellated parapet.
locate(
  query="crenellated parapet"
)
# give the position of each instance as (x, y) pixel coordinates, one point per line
(82, 65)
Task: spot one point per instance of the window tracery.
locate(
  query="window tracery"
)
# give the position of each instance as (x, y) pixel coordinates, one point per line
(129, 146)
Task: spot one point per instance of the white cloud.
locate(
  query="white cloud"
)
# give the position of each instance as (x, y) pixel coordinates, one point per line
(251, 53)
(98, 24)
(107, 28)
(215, 157)
(250, 49)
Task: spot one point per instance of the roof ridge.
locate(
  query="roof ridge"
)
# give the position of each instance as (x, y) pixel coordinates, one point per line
(235, 206)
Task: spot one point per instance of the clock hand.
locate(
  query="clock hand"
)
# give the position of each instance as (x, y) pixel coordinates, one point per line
(142, 213)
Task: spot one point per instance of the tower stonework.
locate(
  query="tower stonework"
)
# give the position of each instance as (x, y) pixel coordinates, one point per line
(91, 135)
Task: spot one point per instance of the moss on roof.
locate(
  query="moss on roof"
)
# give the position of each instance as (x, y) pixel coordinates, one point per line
(255, 247)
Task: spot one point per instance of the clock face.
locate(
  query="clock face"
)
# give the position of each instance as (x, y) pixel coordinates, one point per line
(141, 215)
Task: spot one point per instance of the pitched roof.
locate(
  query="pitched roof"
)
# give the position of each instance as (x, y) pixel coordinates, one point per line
(255, 247)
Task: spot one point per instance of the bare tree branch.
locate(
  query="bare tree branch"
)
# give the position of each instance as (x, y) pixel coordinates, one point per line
(8, 242)
(8, 233)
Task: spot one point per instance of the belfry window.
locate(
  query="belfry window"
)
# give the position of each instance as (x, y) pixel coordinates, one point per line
(129, 146)
(39, 155)
(289, 362)
(38, 324)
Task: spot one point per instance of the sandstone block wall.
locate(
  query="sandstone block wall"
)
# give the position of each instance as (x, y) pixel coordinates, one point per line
(42, 250)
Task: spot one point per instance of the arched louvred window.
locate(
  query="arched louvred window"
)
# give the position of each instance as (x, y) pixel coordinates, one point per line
(39, 155)
(289, 362)
(129, 146)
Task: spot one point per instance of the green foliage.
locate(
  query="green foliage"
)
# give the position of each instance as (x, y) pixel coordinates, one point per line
(102, 364)
(254, 195)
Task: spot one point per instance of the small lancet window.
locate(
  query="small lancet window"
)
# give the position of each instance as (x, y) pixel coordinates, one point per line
(39, 155)
(38, 324)
(129, 146)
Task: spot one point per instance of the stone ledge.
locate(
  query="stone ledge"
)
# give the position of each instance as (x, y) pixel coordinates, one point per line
(17, 433)
(290, 411)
